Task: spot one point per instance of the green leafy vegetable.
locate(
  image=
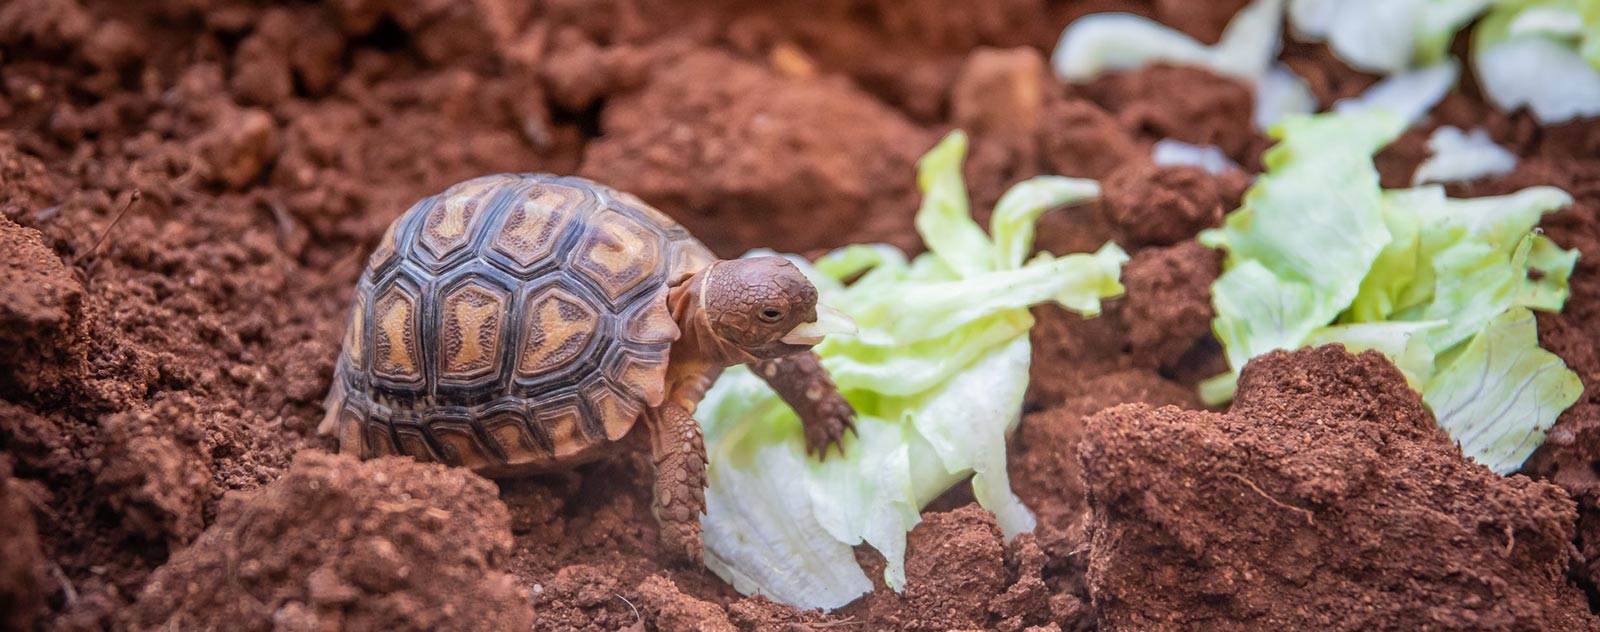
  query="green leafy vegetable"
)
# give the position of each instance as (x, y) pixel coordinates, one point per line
(1247, 50)
(1459, 156)
(937, 374)
(1305, 236)
(1543, 54)
(1502, 392)
(1319, 254)
(1384, 36)
(1408, 94)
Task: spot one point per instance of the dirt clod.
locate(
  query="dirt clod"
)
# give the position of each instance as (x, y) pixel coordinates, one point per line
(1184, 103)
(1149, 205)
(1327, 484)
(673, 610)
(155, 475)
(41, 310)
(954, 566)
(1080, 139)
(238, 147)
(1166, 308)
(336, 544)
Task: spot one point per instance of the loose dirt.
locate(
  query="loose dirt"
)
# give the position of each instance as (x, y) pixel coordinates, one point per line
(154, 391)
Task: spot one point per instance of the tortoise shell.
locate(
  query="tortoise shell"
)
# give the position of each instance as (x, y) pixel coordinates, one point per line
(513, 323)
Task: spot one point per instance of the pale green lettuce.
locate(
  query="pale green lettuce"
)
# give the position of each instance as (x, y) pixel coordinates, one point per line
(937, 373)
(1319, 254)
(1458, 156)
(1305, 236)
(1405, 38)
(1408, 94)
(1503, 374)
(1543, 54)
(1384, 36)
(1247, 51)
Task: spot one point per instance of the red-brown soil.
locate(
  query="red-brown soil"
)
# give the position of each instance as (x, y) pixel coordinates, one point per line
(389, 544)
(1326, 498)
(184, 359)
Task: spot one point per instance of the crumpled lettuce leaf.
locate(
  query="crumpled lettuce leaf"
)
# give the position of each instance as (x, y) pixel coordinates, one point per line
(1306, 234)
(1320, 254)
(937, 374)
(1110, 42)
(1543, 54)
(1459, 156)
(1384, 36)
(1248, 50)
(1408, 94)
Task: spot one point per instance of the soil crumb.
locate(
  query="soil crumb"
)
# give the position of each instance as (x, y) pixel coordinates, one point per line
(334, 544)
(1326, 498)
(1000, 94)
(1150, 205)
(1082, 140)
(1166, 309)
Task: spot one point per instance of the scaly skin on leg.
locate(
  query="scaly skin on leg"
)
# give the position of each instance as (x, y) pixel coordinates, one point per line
(802, 382)
(679, 453)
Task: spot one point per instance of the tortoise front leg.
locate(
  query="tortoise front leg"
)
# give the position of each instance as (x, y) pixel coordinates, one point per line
(679, 453)
(802, 382)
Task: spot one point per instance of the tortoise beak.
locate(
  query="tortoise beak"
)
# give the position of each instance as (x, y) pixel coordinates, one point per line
(829, 321)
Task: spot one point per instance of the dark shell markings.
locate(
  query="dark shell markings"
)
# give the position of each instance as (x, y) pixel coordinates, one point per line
(515, 322)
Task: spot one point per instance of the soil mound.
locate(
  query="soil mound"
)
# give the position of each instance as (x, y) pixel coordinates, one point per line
(743, 155)
(1327, 498)
(337, 544)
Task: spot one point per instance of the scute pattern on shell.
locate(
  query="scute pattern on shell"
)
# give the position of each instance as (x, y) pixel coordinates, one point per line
(511, 324)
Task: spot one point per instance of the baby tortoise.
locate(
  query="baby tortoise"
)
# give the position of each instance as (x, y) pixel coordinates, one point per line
(521, 323)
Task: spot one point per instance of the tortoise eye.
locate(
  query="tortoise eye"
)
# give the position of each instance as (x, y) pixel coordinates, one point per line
(771, 315)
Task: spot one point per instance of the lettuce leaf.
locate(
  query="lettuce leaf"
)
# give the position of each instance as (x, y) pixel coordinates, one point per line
(1408, 94)
(1308, 230)
(1247, 51)
(1502, 392)
(1384, 36)
(1543, 54)
(938, 388)
(1320, 254)
(1176, 153)
(1459, 156)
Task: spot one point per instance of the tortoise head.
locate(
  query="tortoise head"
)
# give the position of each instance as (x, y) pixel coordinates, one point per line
(766, 307)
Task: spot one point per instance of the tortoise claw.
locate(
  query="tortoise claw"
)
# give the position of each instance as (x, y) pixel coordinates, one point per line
(682, 541)
(828, 431)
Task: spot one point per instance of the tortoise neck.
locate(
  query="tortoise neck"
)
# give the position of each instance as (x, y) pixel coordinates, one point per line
(699, 344)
